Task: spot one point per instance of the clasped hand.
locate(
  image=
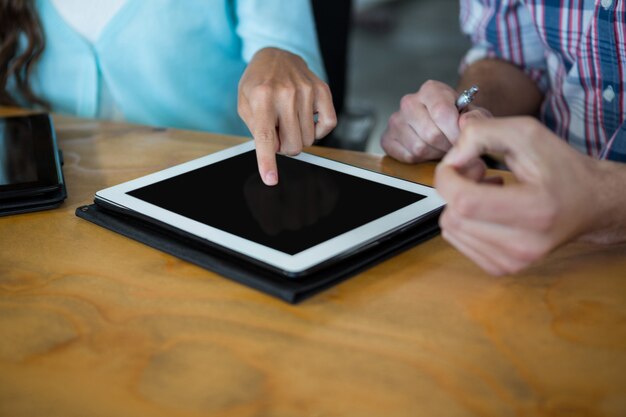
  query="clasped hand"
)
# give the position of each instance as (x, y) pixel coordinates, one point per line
(427, 124)
(505, 228)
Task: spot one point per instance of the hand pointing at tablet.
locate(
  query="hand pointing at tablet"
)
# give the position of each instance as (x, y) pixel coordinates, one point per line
(278, 98)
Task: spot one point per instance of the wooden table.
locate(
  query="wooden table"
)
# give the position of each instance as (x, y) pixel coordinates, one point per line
(95, 324)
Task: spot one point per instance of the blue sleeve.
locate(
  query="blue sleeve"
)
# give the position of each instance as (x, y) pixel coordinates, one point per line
(284, 24)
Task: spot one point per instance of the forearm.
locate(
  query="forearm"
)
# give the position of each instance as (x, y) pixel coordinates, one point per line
(505, 90)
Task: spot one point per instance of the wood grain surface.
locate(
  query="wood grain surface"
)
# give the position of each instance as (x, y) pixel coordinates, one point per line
(95, 324)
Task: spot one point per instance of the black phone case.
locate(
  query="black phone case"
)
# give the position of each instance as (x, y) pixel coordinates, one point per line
(292, 290)
(34, 200)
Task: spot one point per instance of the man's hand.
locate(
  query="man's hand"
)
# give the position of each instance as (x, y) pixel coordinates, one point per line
(427, 124)
(278, 98)
(559, 195)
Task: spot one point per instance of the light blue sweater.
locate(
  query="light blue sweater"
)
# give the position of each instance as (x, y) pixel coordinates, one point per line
(170, 63)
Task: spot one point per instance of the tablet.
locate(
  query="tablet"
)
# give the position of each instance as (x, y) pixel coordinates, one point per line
(320, 212)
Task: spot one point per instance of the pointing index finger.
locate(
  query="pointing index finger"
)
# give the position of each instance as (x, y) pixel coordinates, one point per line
(266, 142)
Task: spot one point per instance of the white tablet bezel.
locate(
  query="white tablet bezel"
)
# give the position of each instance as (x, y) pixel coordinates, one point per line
(290, 264)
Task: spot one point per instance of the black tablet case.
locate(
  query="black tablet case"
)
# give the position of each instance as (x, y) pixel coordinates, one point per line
(293, 290)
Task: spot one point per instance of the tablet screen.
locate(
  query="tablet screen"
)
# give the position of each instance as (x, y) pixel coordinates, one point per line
(311, 204)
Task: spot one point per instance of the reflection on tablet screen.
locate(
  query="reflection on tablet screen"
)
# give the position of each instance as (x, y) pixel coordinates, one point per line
(310, 204)
(302, 201)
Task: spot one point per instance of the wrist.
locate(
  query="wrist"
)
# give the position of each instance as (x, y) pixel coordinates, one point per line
(607, 197)
(505, 89)
(272, 53)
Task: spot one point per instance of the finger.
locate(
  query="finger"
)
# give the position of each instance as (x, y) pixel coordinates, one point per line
(471, 252)
(266, 143)
(474, 170)
(440, 100)
(512, 248)
(289, 131)
(306, 112)
(481, 247)
(477, 114)
(405, 145)
(487, 256)
(473, 115)
(421, 149)
(395, 149)
(427, 129)
(323, 106)
(514, 205)
(480, 136)
(528, 154)
(389, 140)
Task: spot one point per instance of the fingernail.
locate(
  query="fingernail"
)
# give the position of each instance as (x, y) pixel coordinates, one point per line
(271, 178)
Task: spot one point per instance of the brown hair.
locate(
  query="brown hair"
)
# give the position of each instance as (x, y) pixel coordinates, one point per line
(18, 19)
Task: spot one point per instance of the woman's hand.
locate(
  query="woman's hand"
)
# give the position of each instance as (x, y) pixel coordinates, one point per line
(279, 100)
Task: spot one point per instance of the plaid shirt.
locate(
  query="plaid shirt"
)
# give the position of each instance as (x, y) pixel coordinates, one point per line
(575, 50)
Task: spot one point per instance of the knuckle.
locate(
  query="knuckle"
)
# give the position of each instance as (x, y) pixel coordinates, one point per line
(545, 217)
(526, 251)
(442, 110)
(528, 125)
(286, 92)
(523, 255)
(264, 137)
(290, 149)
(419, 148)
(449, 220)
(512, 268)
(330, 121)
(493, 269)
(262, 92)
(406, 103)
(323, 88)
(243, 111)
(464, 205)
(444, 222)
(431, 135)
(430, 85)
(385, 143)
(394, 120)
(306, 88)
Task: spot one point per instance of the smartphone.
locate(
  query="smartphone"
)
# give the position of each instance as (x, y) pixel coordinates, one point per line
(31, 176)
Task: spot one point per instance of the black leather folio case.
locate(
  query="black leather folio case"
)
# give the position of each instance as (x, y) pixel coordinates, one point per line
(292, 290)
